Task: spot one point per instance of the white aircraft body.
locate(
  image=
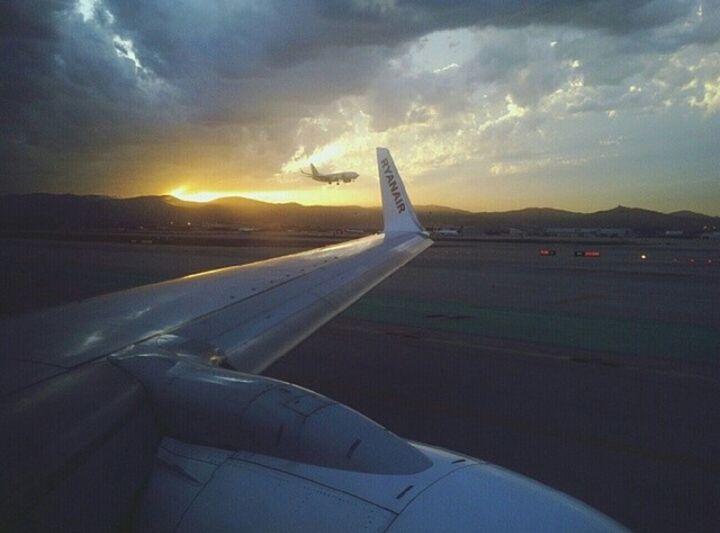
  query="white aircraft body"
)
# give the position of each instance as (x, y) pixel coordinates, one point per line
(335, 177)
(448, 232)
(144, 410)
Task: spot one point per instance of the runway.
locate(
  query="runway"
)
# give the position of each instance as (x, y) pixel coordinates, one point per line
(597, 376)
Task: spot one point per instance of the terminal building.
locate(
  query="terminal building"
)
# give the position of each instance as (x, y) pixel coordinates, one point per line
(590, 232)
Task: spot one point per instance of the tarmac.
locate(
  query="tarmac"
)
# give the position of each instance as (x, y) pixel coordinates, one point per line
(598, 376)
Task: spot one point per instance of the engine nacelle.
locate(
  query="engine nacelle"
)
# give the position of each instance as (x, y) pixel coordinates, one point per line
(201, 404)
(249, 453)
(197, 488)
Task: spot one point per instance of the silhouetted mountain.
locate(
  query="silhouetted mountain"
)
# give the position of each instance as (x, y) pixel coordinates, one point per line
(67, 211)
(687, 214)
(644, 220)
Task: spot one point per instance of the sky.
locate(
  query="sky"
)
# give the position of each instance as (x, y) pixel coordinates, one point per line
(486, 105)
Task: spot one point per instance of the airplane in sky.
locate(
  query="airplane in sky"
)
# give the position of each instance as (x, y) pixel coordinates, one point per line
(144, 410)
(335, 177)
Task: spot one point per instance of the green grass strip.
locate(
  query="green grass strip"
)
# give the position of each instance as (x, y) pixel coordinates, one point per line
(629, 337)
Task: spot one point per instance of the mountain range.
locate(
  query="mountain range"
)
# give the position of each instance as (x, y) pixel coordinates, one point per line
(41, 211)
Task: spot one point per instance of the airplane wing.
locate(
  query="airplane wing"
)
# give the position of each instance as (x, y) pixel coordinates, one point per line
(247, 315)
(141, 409)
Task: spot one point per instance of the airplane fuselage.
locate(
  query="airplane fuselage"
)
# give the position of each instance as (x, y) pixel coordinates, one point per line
(333, 177)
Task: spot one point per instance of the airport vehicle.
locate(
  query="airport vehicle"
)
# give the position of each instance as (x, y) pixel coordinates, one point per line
(335, 177)
(144, 410)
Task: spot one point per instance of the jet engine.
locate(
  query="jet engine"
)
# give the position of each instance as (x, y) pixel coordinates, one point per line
(248, 453)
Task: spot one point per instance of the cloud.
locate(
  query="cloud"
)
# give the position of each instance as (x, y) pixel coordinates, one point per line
(130, 96)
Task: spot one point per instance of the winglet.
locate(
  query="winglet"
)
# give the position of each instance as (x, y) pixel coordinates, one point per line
(398, 213)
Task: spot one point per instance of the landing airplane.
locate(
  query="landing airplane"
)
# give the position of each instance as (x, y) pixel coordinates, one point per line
(143, 410)
(335, 177)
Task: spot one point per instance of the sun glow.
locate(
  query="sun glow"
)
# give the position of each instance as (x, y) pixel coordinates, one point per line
(181, 193)
(324, 195)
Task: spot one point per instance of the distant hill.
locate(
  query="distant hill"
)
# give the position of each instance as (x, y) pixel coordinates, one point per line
(66, 211)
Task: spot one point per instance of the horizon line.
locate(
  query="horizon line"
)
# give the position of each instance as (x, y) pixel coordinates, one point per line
(361, 206)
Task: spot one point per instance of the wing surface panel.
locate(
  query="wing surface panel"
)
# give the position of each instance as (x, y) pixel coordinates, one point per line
(257, 331)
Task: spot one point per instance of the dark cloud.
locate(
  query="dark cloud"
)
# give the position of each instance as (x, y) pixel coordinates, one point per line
(80, 93)
(421, 16)
(30, 20)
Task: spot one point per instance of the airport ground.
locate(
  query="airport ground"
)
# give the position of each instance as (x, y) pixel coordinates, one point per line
(598, 376)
